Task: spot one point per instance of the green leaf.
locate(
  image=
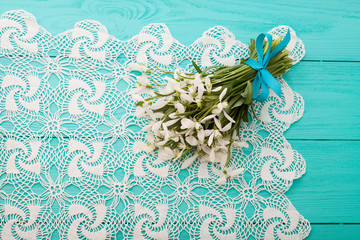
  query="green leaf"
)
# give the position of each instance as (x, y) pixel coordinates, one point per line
(249, 93)
(238, 103)
(196, 67)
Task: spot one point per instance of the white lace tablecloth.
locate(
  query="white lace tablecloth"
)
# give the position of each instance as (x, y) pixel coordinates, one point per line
(68, 167)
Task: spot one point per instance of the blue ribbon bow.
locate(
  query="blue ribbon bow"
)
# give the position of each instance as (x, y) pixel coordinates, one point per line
(263, 77)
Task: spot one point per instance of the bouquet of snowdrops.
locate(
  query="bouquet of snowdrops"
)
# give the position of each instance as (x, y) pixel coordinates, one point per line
(197, 115)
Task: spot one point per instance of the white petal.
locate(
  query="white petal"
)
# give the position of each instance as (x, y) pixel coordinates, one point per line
(171, 122)
(222, 94)
(189, 161)
(143, 80)
(187, 123)
(221, 180)
(137, 98)
(212, 155)
(217, 123)
(217, 89)
(180, 107)
(217, 111)
(201, 135)
(207, 118)
(241, 144)
(211, 138)
(221, 157)
(165, 153)
(159, 104)
(227, 127)
(192, 140)
(236, 172)
(156, 128)
(137, 67)
(201, 90)
(228, 117)
(186, 97)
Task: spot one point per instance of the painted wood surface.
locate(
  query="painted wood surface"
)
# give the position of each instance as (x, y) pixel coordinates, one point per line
(328, 135)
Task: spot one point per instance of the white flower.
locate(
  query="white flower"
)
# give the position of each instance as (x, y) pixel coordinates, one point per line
(208, 84)
(159, 104)
(189, 161)
(156, 128)
(214, 134)
(200, 132)
(221, 105)
(179, 107)
(192, 140)
(141, 146)
(174, 85)
(228, 173)
(187, 98)
(166, 153)
(144, 81)
(138, 67)
(143, 109)
(187, 123)
(207, 118)
(240, 144)
(137, 98)
(197, 80)
(222, 129)
(214, 155)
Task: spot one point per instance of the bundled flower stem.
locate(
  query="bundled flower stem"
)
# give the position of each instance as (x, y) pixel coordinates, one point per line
(198, 115)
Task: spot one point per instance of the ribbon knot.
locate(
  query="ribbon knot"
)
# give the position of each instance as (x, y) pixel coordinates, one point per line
(263, 77)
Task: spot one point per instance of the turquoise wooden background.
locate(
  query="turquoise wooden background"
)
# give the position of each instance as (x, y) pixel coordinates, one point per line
(328, 135)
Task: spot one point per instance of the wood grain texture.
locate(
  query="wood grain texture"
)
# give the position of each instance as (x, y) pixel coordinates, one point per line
(328, 134)
(331, 94)
(330, 29)
(329, 191)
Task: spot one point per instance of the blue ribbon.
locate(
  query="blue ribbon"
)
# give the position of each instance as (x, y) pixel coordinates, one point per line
(263, 77)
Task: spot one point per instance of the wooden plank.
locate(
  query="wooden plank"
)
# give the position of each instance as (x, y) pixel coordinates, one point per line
(329, 192)
(331, 33)
(334, 232)
(331, 94)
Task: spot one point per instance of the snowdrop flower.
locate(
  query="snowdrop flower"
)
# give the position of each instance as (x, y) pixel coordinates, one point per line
(192, 140)
(166, 153)
(186, 98)
(191, 126)
(159, 104)
(227, 173)
(144, 81)
(189, 161)
(176, 134)
(240, 144)
(222, 129)
(214, 155)
(221, 105)
(187, 123)
(156, 128)
(138, 67)
(215, 134)
(208, 84)
(174, 85)
(141, 146)
(179, 107)
(143, 108)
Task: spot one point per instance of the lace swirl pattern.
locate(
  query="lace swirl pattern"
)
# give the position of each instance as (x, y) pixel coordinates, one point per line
(70, 165)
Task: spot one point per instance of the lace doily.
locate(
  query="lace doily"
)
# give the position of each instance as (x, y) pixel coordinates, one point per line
(68, 166)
